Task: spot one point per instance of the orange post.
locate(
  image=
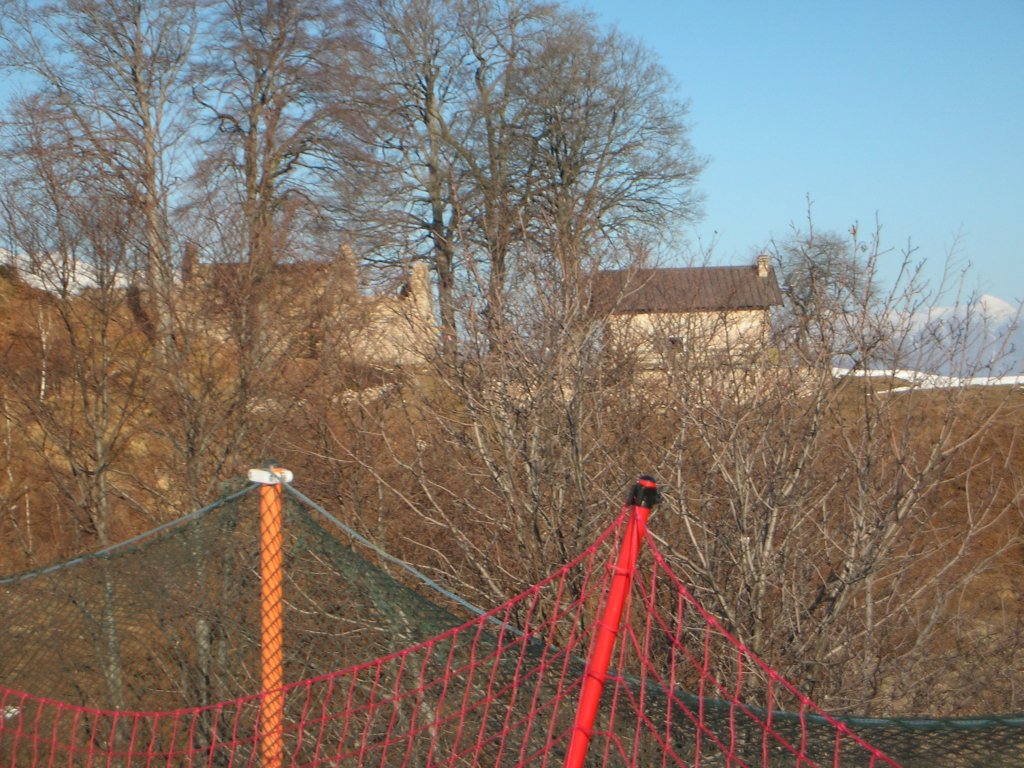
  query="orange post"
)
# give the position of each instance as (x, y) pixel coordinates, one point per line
(642, 499)
(271, 615)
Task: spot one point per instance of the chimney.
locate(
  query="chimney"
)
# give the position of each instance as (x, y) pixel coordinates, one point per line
(188, 262)
(419, 287)
(347, 270)
(762, 264)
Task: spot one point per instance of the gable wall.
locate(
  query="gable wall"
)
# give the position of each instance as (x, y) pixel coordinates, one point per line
(703, 337)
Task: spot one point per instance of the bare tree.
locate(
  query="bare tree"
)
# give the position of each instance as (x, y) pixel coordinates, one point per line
(812, 508)
(850, 532)
(521, 133)
(413, 78)
(265, 81)
(80, 244)
(826, 278)
(115, 74)
(613, 167)
(847, 529)
(491, 146)
(519, 144)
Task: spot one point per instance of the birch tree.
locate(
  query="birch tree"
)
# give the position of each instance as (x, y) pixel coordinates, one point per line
(80, 244)
(115, 73)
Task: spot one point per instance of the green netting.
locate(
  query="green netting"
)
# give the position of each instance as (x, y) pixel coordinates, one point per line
(981, 742)
(996, 741)
(174, 620)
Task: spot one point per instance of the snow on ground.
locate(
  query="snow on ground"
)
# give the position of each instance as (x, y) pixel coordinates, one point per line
(56, 275)
(919, 380)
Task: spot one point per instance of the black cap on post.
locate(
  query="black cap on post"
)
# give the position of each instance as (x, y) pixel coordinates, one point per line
(645, 493)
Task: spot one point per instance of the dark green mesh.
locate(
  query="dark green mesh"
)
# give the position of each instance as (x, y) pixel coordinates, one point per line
(996, 741)
(173, 621)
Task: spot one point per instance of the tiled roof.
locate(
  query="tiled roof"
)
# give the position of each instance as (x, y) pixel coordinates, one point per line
(685, 289)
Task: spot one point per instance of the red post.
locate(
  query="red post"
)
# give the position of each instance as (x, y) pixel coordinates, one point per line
(271, 614)
(642, 498)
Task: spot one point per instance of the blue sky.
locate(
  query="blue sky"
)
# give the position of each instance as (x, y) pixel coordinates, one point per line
(909, 112)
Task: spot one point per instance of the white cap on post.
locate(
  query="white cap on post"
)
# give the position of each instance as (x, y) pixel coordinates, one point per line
(270, 476)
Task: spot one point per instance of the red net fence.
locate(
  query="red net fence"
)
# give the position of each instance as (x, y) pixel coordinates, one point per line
(431, 689)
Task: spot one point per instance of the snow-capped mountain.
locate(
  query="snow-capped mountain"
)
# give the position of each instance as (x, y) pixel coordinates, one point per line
(983, 336)
(997, 310)
(992, 309)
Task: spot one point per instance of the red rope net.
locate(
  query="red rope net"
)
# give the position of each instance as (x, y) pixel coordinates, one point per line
(501, 690)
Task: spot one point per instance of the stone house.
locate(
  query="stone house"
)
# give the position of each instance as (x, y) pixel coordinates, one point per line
(397, 329)
(705, 315)
(319, 306)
